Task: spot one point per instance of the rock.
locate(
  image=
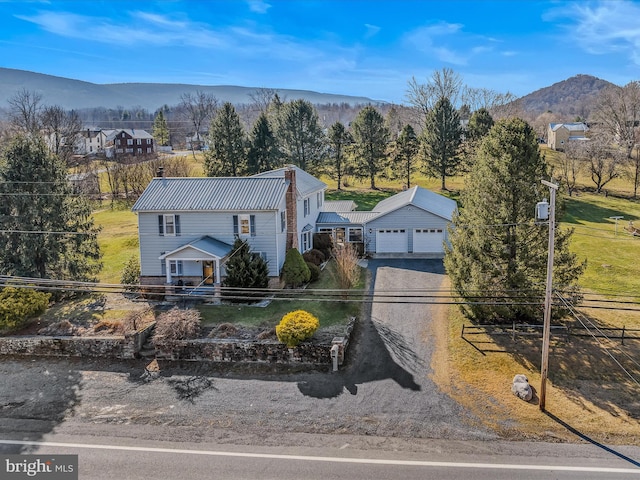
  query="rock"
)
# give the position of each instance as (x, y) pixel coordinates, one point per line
(521, 388)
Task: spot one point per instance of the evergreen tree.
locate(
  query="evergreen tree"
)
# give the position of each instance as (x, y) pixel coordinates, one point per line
(300, 135)
(339, 139)
(161, 129)
(226, 154)
(245, 269)
(47, 229)
(295, 271)
(480, 124)
(441, 140)
(497, 253)
(370, 135)
(404, 155)
(264, 154)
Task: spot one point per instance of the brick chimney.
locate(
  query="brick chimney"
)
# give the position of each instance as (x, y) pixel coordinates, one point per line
(292, 209)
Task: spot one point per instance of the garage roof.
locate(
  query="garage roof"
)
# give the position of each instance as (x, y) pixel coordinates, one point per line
(420, 197)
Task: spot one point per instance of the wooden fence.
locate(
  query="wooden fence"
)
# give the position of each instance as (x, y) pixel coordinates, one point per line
(523, 329)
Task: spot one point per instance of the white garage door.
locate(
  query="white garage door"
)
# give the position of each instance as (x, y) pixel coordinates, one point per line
(428, 240)
(393, 240)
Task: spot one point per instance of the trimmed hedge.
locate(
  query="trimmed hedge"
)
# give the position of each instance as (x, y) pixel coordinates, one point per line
(296, 327)
(295, 271)
(315, 271)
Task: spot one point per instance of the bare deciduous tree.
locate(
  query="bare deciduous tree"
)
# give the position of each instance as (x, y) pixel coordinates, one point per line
(604, 163)
(617, 112)
(198, 109)
(24, 111)
(62, 130)
(443, 83)
(571, 164)
(261, 98)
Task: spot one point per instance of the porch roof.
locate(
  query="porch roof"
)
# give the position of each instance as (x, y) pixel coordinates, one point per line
(206, 245)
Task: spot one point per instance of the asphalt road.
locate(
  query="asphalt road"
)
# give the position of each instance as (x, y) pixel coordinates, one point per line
(382, 404)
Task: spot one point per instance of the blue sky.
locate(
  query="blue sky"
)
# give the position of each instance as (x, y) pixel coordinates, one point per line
(369, 48)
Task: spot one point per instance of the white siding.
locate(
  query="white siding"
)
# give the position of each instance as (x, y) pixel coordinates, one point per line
(408, 217)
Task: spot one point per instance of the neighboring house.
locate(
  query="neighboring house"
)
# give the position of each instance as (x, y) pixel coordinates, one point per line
(411, 222)
(196, 141)
(130, 141)
(90, 142)
(558, 134)
(187, 226)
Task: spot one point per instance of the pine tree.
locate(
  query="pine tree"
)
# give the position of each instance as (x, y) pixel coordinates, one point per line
(264, 154)
(404, 153)
(47, 229)
(161, 129)
(497, 253)
(441, 140)
(226, 154)
(370, 136)
(339, 139)
(300, 136)
(245, 269)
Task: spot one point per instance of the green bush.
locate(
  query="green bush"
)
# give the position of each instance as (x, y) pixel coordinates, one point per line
(324, 243)
(315, 271)
(295, 271)
(296, 327)
(131, 273)
(17, 305)
(314, 256)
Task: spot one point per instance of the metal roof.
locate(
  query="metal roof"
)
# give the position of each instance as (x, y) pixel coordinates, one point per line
(206, 244)
(345, 217)
(207, 193)
(135, 133)
(420, 197)
(339, 206)
(306, 183)
(572, 127)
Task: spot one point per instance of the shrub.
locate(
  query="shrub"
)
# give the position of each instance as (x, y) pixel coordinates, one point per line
(347, 266)
(315, 271)
(314, 256)
(324, 243)
(296, 327)
(245, 269)
(295, 271)
(17, 305)
(176, 325)
(131, 273)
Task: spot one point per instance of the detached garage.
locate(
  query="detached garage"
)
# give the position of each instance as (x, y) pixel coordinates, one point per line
(412, 222)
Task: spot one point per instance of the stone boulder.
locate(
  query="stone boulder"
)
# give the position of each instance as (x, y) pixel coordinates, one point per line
(521, 388)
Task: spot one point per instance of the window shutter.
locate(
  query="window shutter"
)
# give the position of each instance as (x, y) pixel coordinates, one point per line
(177, 223)
(235, 225)
(161, 225)
(252, 225)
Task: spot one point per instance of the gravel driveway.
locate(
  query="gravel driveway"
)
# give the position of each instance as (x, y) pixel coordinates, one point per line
(385, 389)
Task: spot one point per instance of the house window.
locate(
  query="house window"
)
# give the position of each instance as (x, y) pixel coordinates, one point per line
(148, 149)
(129, 141)
(117, 141)
(139, 141)
(306, 207)
(306, 241)
(244, 225)
(355, 235)
(119, 150)
(283, 221)
(262, 255)
(139, 150)
(148, 141)
(129, 150)
(169, 225)
(319, 199)
(175, 267)
(122, 135)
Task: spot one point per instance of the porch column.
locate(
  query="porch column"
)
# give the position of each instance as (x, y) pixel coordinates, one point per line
(168, 269)
(217, 262)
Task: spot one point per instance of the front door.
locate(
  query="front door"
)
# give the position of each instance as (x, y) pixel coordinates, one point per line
(208, 273)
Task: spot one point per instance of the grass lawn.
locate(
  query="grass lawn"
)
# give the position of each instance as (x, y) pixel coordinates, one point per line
(118, 240)
(329, 313)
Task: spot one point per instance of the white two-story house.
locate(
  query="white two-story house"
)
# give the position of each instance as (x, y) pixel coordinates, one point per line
(187, 226)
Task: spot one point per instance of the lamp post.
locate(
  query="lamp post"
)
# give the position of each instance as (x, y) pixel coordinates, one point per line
(544, 367)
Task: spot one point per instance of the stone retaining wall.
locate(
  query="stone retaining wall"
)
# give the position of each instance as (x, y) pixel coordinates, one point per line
(110, 347)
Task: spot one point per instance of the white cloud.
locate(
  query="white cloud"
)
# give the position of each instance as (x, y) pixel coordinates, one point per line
(259, 6)
(603, 27)
(431, 40)
(372, 30)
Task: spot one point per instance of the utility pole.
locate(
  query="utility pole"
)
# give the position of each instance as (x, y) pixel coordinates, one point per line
(544, 368)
